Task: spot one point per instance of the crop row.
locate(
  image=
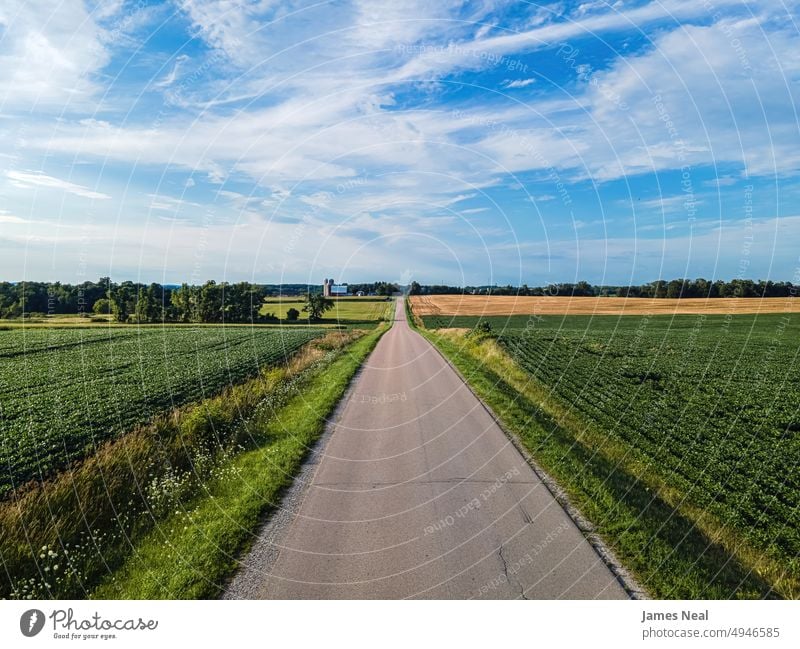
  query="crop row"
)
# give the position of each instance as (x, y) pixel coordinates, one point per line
(714, 408)
(63, 392)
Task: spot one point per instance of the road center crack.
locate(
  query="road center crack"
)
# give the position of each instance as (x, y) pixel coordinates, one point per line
(506, 573)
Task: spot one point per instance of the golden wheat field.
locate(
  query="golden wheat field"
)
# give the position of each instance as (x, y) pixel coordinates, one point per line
(476, 305)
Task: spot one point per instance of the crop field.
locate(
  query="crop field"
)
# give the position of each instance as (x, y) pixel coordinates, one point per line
(711, 403)
(64, 391)
(347, 310)
(446, 306)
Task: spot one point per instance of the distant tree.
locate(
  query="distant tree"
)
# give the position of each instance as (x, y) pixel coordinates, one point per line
(292, 314)
(659, 288)
(316, 304)
(675, 288)
(209, 304)
(415, 288)
(122, 299)
(242, 302)
(102, 306)
(183, 303)
(379, 288)
(583, 289)
(700, 288)
(149, 303)
(744, 288)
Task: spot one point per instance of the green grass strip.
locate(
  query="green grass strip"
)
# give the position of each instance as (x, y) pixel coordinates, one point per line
(192, 552)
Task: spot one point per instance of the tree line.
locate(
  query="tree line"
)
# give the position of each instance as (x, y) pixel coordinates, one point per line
(374, 288)
(676, 288)
(136, 302)
(242, 301)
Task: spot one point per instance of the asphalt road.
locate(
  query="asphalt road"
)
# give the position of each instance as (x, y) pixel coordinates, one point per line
(418, 493)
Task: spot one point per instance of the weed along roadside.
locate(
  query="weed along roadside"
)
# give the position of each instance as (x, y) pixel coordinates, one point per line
(135, 486)
(191, 551)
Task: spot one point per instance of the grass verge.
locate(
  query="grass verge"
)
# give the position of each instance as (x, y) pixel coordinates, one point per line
(191, 553)
(674, 550)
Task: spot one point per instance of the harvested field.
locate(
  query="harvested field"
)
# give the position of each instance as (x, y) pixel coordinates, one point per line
(487, 305)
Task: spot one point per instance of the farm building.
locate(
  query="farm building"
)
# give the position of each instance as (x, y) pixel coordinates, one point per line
(330, 289)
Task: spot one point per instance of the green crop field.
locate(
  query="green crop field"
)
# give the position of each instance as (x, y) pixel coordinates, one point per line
(346, 310)
(709, 404)
(62, 391)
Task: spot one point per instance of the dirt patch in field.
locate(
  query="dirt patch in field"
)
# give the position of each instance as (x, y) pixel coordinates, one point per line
(477, 305)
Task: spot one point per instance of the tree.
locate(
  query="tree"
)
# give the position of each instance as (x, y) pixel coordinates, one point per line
(744, 288)
(209, 305)
(121, 299)
(184, 303)
(701, 288)
(659, 288)
(102, 306)
(241, 303)
(675, 288)
(149, 303)
(316, 304)
(292, 314)
(415, 288)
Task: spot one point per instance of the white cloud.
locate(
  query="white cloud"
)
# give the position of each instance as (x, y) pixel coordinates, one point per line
(669, 203)
(722, 111)
(519, 83)
(174, 73)
(28, 180)
(234, 28)
(5, 217)
(49, 52)
(721, 181)
(475, 53)
(324, 128)
(686, 101)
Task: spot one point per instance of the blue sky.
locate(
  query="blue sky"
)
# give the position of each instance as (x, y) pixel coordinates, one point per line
(464, 142)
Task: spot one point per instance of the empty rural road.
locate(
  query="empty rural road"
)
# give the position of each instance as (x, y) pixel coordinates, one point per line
(418, 493)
